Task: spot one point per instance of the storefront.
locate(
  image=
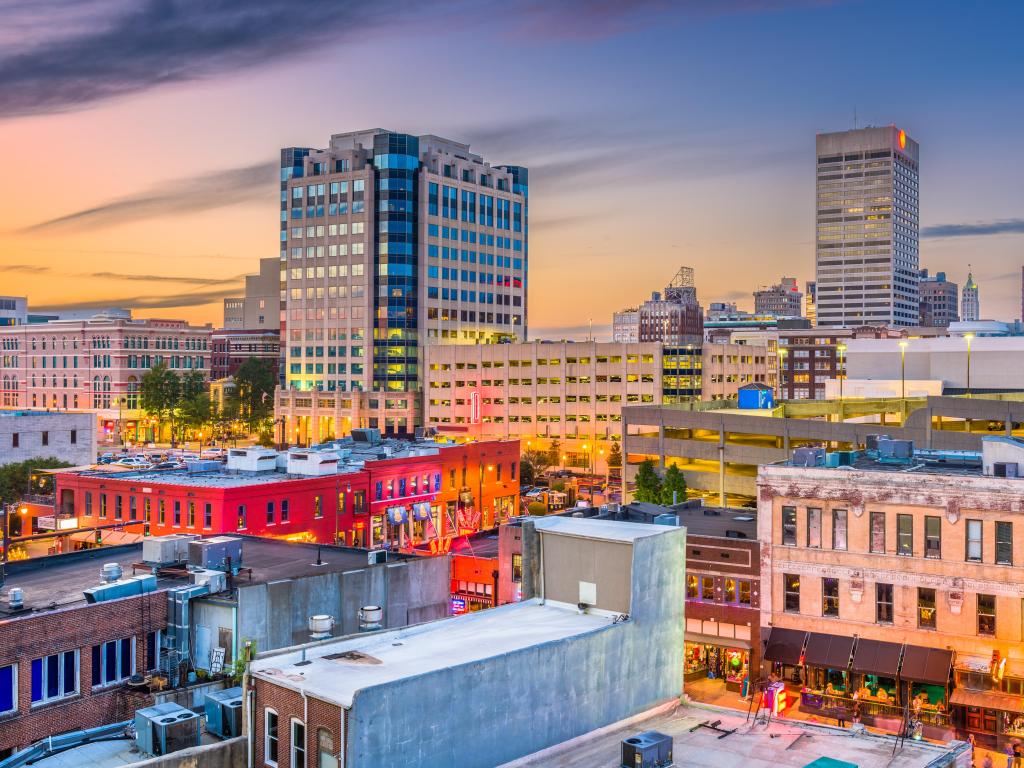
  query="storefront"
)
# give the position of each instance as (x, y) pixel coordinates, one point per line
(987, 703)
(784, 650)
(827, 689)
(924, 688)
(713, 661)
(874, 676)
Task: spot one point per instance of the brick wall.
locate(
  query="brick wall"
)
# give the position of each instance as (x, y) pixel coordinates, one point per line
(289, 704)
(79, 627)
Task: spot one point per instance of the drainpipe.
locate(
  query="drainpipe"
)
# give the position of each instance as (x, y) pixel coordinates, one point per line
(252, 727)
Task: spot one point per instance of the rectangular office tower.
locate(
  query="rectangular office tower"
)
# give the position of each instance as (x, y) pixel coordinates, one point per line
(867, 228)
(391, 241)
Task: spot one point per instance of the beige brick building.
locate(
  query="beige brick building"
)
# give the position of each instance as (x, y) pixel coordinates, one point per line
(574, 392)
(907, 566)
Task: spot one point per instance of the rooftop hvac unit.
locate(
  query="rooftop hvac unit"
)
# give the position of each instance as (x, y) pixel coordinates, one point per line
(366, 435)
(166, 728)
(161, 551)
(252, 459)
(1005, 469)
(808, 457)
(215, 552)
(224, 712)
(871, 441)
(666, 519)
(377, 556)
(216, 581)
(203, 465)
(649, 749)
(133, 585)
(895, 450)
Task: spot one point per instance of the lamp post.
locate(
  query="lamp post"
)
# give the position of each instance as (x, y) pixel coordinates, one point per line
(968, 337)
(841, 371)
(903, 369)
(782, 357)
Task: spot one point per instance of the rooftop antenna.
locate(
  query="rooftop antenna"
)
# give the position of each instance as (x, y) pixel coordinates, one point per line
(855, 117)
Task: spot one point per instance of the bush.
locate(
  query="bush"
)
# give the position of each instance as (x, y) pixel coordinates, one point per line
(537, 508)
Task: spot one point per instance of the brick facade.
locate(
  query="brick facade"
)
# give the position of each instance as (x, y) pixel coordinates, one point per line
(289, 705)
(77, 628)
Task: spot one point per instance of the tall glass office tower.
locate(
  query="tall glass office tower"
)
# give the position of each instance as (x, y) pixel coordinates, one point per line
(867, 228)
(389, 242)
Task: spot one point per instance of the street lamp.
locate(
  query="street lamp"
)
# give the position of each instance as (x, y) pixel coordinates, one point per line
(841, 372)
(903, 369)
(969, 337)
(782, 357)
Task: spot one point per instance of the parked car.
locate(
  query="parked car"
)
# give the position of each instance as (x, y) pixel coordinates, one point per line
(135, 462)
(167, 465)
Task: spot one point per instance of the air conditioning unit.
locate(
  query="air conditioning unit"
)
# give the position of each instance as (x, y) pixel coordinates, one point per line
(166, 728)
(224, 712)
(213, 553)
(649, 749)
(377, 556)
(1005, 469)
(808, 457)
(217, 581)
(162, 551)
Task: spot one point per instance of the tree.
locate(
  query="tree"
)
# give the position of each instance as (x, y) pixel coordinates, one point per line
(555, 453)
(648, 484)
(196, 412)
(159, 392)
(532, 465)
(14, 478)
(253, 393)
(615, 456)
(673, 486)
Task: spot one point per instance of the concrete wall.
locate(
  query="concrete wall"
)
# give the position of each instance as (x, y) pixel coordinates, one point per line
(500, 709)
(231, 753)
(276, 614)
(58, 427)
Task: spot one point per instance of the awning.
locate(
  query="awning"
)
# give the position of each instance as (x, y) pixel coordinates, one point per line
(86, 537)
(1004, 702)
(721, 642)
(831, 651)
(785, 645)
(926, 665)
(875, 657)
(120, 538)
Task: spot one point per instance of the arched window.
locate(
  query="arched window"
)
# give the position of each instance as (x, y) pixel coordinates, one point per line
(106, 391)
(132, 399)
(97, 393)
(326, 756)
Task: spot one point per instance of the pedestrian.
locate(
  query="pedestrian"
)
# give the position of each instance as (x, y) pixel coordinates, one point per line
(1009, 755)
(856, 712)
(987, 762)
(1018, 755)
(841, 716)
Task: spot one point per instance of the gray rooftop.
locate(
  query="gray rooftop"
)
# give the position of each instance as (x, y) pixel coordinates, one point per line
(699, 520)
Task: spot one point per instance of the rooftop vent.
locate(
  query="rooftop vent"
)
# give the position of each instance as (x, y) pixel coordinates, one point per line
(16, 598)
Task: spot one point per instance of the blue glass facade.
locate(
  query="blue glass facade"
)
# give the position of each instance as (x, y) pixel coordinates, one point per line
(395, 339)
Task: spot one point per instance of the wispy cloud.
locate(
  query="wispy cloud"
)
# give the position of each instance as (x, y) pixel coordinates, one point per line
(999, 227)
(28, 269)
(194, 299)
(166, 278)
(102, 49)
(198, 193)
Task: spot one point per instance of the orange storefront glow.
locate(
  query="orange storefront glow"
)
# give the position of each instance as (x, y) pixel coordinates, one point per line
(902, 139)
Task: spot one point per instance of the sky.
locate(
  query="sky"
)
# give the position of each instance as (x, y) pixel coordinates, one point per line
(140, 137)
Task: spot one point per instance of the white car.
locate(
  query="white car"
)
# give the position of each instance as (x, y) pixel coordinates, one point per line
(135, 462)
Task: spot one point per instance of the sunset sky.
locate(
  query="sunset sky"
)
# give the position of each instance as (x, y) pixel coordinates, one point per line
(140, 137)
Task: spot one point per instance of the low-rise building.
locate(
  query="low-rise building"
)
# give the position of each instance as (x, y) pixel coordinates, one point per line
(69, 437)
(568, 396)
(259, 307)
(939, 300)
(13, 310)
(96, 366)
(901, 564)
(781, 300)
(810, 358)
(231, 347)
(598, 595)
(306, 417)
(367, 493)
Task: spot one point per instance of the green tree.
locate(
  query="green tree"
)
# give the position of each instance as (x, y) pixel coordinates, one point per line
(159, 393)
(532, 465)
(192, 384)
(555, 453)
(14, 478)
(196, 412)
(673, 486)
(648, 484)
(615, 456)
(253, 393)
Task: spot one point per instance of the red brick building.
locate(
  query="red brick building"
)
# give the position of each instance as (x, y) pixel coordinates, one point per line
(49, 679)
(392, 494)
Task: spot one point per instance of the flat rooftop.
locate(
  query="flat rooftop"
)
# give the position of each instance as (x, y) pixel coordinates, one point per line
(782, 743)
(606, 530)
(335, 672)
(58, 581)
(698, 521)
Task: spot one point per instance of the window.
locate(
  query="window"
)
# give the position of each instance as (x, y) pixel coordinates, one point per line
(284, 510)
(113, 661)
(318, 507)
(15, 440)
(152, 650)
(270, 737)
(791, 586)
(517, 569)
(789, 526)
(877, 543)
(54, 677)
(325, 747)
(814, 528)
(925, 608)
(838, 529)
(905, 535)
(74, 437)
(46, 438)
(707, 588)
(191, 514)
(8, 688)
(691, 587)
(883, 603)
(933, 537)
(744, 595)
(987, 615)
(208, 515)
(1004, 543)
(829, 597)
(161, 507)
(270, 513)
(241, 516)
(298, 744)
(974, 541)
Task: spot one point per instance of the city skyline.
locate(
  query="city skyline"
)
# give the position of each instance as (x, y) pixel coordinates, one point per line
(168, 213)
